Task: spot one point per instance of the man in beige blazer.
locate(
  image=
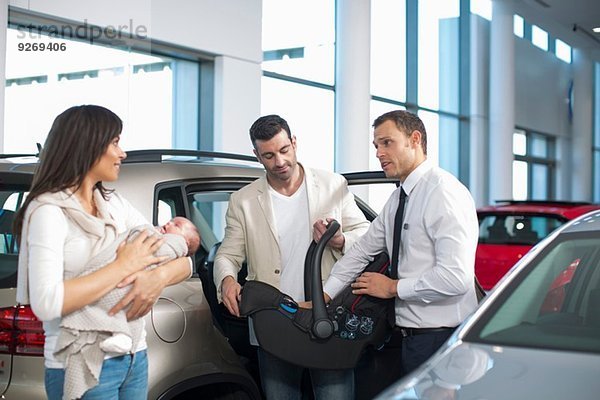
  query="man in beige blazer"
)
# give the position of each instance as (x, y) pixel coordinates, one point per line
(270, 224)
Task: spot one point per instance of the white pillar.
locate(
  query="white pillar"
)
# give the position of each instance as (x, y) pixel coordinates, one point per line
(3, 24)
(479, 152)
(352, 83)
(583, 73)
(237, 103)
(502, 100)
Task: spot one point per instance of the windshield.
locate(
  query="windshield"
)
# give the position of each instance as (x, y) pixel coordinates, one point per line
(555, 305)
(516, 229)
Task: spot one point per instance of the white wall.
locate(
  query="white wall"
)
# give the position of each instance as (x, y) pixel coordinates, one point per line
(541, 90)
(480, 105)
(228, 29)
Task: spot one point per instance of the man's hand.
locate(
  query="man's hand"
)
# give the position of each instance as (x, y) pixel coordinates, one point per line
(337, 241)
(231, 293)
(308, 304)
(147, 286)
(376, 285)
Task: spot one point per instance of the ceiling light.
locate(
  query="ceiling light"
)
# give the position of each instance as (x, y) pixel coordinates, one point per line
(596, 29)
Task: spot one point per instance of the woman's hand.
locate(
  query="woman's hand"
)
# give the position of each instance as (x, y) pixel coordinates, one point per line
(139, 253)
(146, 288)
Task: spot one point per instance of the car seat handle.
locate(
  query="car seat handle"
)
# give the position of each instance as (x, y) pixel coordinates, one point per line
(322, 325)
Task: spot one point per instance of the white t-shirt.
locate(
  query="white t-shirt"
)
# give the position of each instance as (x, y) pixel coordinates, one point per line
(294, 234)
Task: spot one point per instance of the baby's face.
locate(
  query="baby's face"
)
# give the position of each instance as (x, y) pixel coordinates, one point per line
(177, 226)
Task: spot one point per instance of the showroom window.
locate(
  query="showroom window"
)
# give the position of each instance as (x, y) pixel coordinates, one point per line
(156, 96)
(309, 111)
(415, 65)
(298, 42)
(519, 25)
(596, 136)
(438, 74)
(483, 8)
(388, 49)
(563, 51)
(534, 166)
(539, 37)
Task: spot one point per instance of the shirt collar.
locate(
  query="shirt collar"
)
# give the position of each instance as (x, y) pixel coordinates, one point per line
(414, 177)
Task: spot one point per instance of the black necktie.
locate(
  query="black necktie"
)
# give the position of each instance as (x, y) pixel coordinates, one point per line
(397, 234)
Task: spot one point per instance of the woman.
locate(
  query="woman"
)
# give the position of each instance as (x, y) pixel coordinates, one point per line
(66, 219)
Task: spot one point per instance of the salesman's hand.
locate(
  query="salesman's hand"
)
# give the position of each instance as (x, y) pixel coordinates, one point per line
(146, 288)
(308, 304)
(337, 241)
(376, 285)
(231, 292)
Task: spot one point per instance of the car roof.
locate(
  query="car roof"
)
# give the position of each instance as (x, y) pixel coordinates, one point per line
(143, 170)
(565, 209)
(585, 223)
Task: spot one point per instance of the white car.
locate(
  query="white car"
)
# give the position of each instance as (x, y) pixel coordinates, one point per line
(536, 336)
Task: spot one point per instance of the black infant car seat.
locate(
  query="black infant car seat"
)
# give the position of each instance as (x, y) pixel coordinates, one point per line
(325, 337)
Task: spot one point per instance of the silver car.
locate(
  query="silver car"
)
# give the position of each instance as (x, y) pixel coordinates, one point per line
(188, 356)
(536, 336)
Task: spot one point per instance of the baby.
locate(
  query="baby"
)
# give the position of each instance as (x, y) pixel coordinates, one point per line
(90, 332)
(183, 227)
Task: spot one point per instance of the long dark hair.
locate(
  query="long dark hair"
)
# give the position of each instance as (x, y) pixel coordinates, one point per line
(78, 138)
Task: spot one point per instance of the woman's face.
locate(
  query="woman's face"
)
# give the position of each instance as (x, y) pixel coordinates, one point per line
(107, 167)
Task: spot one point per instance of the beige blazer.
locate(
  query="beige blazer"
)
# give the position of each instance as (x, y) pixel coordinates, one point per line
(251, 236)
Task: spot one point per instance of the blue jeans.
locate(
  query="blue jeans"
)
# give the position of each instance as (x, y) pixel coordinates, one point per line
(124, 377)
(282, 380)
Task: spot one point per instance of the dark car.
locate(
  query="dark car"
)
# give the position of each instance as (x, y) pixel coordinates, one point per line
(509, 229)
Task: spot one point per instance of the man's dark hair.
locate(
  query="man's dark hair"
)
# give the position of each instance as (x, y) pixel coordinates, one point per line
(266, 127)
(406, 122)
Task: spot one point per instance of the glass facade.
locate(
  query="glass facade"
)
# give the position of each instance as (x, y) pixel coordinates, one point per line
(298, 39)
(388, 49)
(309, 112)
(418, 53)
(534, 168)
(141, 87)
(298, 73)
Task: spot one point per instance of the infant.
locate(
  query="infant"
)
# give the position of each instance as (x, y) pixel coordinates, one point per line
(114, 334)
(122, 343)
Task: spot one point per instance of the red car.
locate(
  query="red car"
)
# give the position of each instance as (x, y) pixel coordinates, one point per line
(509, 229)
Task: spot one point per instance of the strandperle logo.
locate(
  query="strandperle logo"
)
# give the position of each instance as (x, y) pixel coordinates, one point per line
(83, 31)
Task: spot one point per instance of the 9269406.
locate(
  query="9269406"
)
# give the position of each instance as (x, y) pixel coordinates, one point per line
(27, 46)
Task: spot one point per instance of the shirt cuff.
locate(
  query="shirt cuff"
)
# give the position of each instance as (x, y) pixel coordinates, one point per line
(406, 288)
(333, 286)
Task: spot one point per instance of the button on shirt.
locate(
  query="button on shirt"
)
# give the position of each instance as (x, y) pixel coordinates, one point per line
(437, 252)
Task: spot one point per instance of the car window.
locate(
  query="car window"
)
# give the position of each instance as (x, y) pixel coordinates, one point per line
(207, 211)
(516, 229)
(10, 201)
(374, 194)
(556, 304)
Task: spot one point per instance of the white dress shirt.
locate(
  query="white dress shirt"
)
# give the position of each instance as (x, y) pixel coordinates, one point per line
(437, 250)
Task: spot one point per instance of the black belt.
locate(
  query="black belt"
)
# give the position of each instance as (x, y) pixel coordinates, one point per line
(405, 332)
